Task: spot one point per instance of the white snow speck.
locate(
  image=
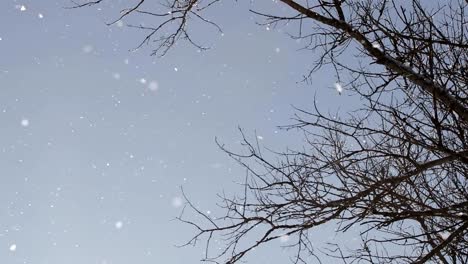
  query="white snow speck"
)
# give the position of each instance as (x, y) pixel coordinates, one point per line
(153, 86)
(284, 238)
(142, 80)
(116, 76)
(175, 69)
(25, 122)
(41, 16)
(177, 202)
(13, 248)
(119, 23)
(444, 235)
(260, 137)
(277, 50)
(216, 165)
(22, 8)
(338, 88)
(376, 46)
(87, 49)
(118, 225)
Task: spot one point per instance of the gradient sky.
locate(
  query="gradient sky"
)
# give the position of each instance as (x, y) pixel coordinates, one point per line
(96, 139)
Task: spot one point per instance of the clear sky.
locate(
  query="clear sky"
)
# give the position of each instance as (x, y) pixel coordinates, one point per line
(96, 140)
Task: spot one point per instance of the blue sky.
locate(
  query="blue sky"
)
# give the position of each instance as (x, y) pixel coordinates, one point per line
(97, 139)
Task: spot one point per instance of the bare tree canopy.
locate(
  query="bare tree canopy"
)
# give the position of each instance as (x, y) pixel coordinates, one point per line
(397, 165)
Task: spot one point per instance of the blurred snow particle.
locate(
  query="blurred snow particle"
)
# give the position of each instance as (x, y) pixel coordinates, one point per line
(22, 8)
(153, 86)
(87, 49)
(376, 46)
(216, 165)
(284, 238)
(175, 69)
(339, 88)
(25, 122)
(116, 76)
(444, 235)
(260, 137)
(13, 248)
(142, 80)
(277, 50)
(119, 23)
(118, 225)
(41, 16)
(177, 202)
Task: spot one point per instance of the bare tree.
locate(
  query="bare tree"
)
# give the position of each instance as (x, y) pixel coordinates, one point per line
(397, 166)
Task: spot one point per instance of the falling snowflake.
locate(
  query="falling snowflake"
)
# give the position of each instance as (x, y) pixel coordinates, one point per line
(22, 8)
(177, 202)
(25, 122)
(338, 88)
(284, 238)
(87, 49)
(142, 80)
(118, 225)
(376, 46)
(13, 248)
(216, 165)
(41, 16)
(153, 86)
(444, 235)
